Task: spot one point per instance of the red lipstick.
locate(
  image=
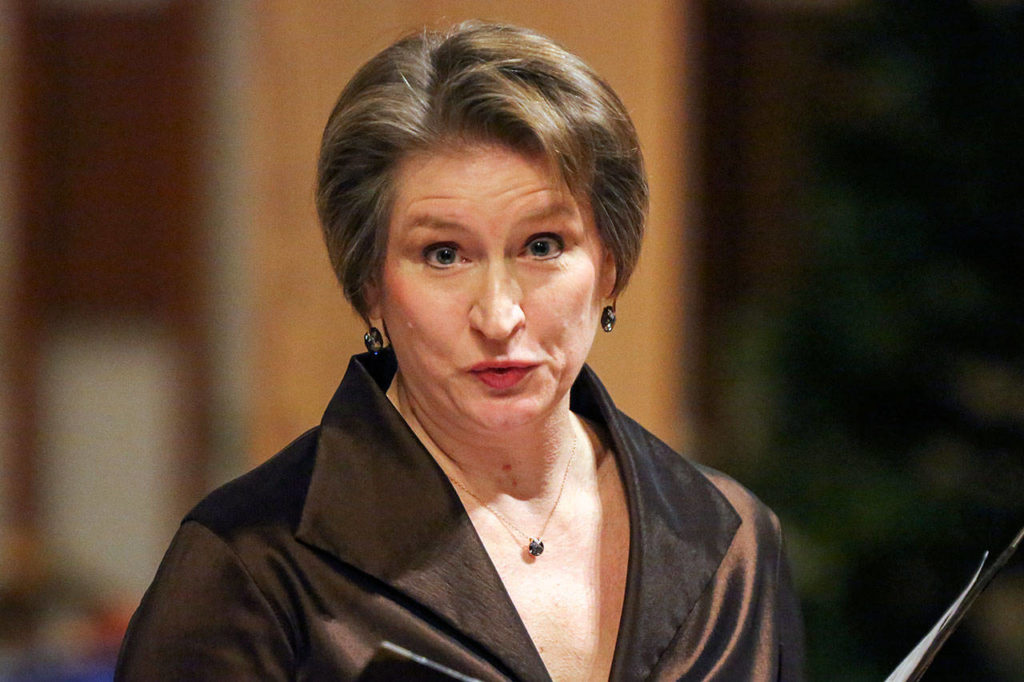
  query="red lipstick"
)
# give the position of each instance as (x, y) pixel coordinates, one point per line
(501, 375)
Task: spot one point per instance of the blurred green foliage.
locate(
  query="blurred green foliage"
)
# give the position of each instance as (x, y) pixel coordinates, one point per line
(883, 394)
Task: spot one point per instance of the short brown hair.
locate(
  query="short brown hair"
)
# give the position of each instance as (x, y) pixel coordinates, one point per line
(473, 83)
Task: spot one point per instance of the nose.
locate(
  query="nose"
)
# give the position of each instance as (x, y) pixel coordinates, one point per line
(496, 313)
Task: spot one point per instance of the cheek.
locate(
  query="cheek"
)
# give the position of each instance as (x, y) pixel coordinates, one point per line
(401, 309)
(416, 313)
(570, 311)
(585, 288)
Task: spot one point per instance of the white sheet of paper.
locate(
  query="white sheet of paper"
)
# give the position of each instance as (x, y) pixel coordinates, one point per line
(907, 665)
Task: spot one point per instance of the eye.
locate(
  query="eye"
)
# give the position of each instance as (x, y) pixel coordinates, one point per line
(441, 255)
(545, 246)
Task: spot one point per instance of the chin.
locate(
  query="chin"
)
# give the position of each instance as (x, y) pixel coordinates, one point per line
(507, 415)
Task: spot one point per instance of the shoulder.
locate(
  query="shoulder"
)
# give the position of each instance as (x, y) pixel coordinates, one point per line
(755, 515)
(272, 494)
(720, 494)
(217, 592)
(206, 616)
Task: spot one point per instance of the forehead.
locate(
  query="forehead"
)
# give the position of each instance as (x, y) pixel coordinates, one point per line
(475, 176)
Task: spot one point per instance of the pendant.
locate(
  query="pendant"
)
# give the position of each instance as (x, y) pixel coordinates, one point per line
(536, 547)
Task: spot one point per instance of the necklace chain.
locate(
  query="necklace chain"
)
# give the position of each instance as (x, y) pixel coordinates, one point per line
(535, 544)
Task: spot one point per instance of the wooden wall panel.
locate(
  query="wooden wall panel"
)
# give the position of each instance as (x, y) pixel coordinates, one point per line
(109, 125)
(10, 238)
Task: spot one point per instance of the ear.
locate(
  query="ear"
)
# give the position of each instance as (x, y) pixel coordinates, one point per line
(372, 296)
(607, 277)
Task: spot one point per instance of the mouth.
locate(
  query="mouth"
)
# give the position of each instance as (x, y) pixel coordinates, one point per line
(501, 375)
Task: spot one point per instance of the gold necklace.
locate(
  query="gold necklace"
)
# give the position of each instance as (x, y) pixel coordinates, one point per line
(535, 544)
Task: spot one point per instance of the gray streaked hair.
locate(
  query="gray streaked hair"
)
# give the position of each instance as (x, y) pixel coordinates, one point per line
(474, 83)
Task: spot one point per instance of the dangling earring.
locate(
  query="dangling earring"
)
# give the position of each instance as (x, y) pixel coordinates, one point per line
(373, 340)
(608, 318)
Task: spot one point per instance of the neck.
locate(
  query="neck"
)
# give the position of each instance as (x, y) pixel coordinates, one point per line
(528, 465)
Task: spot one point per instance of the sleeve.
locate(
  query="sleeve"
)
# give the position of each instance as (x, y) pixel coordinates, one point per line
(204, 618)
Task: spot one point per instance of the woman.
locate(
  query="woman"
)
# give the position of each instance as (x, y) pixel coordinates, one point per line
(472, 494)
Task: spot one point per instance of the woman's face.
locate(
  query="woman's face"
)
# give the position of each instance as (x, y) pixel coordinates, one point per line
(492, 288)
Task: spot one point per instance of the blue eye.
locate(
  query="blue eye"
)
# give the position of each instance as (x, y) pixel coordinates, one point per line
(545, 246)
(441, 255)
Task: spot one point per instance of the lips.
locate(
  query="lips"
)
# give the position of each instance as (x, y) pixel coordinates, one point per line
(502, 375)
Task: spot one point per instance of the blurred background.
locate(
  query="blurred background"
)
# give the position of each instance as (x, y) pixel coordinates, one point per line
(829, 307)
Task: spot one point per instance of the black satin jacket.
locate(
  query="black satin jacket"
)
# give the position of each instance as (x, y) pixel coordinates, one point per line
(353, 535)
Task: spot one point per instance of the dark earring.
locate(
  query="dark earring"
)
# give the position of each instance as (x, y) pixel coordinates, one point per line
(373, 340)
(608, 318)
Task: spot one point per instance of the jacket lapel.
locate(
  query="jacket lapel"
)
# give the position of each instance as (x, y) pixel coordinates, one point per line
(680, 529)
(378, 502)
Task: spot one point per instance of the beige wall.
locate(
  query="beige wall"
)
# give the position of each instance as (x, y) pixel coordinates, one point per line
(305, 51)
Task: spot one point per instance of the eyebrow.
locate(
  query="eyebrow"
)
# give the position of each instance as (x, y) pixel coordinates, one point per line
(552, 210)
(430, 221)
